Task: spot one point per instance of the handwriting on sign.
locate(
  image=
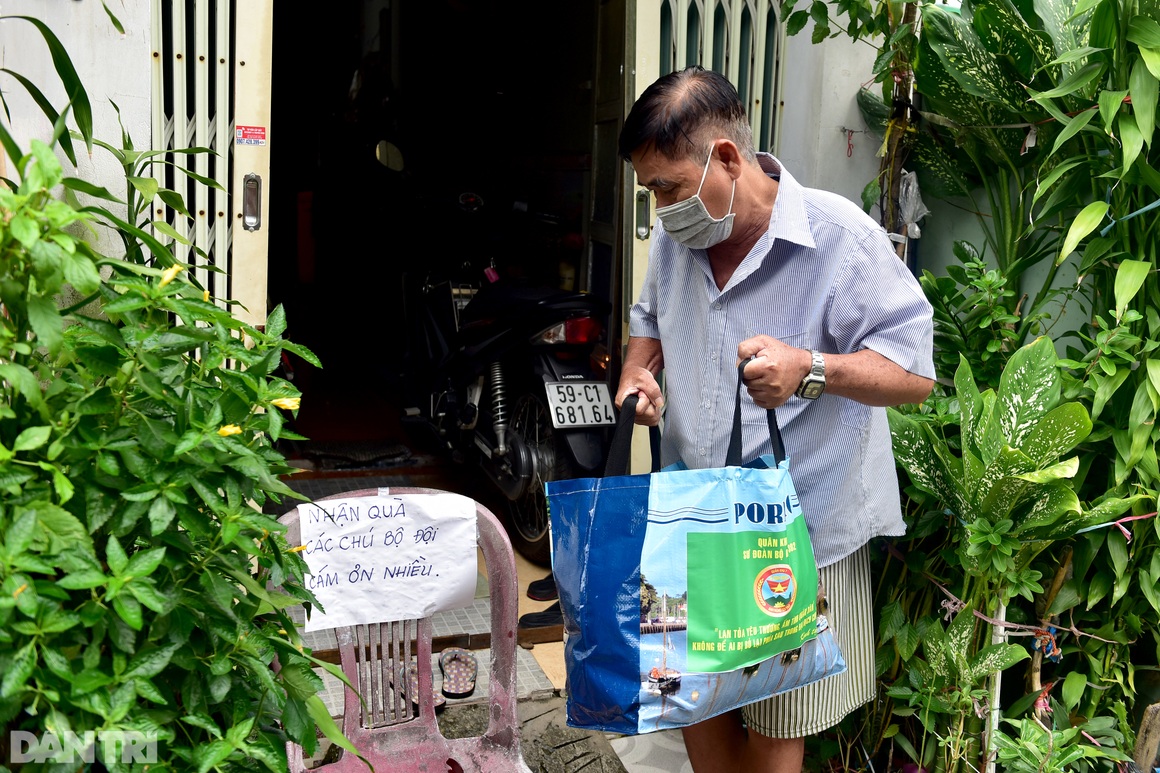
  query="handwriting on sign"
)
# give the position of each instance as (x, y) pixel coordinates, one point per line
(374, 559)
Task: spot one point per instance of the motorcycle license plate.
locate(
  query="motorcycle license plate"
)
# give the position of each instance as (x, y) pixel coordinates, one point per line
(579, 404)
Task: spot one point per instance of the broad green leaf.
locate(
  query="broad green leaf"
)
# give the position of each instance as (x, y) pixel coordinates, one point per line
(1074, 126)
(84, 186)
(31, 438)
(276, 322)
(129, 610)
(913, 453)
(143, 562)
(165, 228)
(1085, 222)
(1074, 55)
(1044, 185)
(46, 322)
(907, 640)
(1106, 387)
(151, 661)
(20, 669)
(1151, 58)
(1145, 89)
(1077, 81)
(1144, 32)
(1061, 471)
(1118, 551)
(62, 528)
(115, 555)
(1131, 140)
(211, 755)
(1005, 33)
(968, 394)
(146, 186)
(161, 513)
(1110, 102)
(995, 658)
(1074, 686)
(1130, 276)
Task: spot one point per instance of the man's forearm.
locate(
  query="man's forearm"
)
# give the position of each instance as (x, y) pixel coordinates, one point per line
(644, 353)
(872, 379)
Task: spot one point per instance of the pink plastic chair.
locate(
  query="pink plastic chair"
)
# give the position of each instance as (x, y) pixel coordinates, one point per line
(386, 732)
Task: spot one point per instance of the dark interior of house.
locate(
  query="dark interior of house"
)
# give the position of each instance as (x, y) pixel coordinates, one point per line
(438, 137)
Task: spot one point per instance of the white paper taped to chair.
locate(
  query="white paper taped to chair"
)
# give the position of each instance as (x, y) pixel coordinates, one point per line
(388, 557)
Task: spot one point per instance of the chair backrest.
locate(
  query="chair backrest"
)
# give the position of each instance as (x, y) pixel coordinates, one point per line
(386, 732)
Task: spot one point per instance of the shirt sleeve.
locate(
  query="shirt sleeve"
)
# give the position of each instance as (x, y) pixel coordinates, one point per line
(642, 318)
(877, 304)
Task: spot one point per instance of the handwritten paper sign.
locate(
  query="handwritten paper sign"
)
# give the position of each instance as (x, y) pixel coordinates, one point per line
(383, 558)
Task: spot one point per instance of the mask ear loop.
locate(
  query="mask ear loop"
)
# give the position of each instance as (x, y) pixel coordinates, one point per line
(705, 171)
(732, 193)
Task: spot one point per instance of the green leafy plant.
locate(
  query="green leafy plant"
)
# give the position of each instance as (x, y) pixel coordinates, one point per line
(1004, 497)
(135, 456)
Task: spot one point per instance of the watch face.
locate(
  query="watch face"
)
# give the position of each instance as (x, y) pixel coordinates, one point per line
(812, 390)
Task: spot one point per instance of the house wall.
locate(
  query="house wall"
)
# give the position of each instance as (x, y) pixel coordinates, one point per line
(818, 87)
(112, 66)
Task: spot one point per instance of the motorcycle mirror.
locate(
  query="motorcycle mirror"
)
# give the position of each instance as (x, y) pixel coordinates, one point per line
(389, 155)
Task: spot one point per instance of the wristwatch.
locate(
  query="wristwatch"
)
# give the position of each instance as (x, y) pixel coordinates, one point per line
(814, 383)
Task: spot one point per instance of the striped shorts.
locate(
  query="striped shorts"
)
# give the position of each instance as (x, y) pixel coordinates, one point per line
(814, 708)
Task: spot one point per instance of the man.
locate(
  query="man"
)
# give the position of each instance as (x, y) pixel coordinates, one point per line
(749, 264)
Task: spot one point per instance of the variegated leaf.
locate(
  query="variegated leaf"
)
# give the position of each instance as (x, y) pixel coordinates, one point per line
(971, 115)
(942, 170)
(1000, 488)
(995, 658)
(1059, 431)
(968, 61)
(989, 437)
(954, 494)
(934, 644)
(1066, 33)
(960, 634)
(1055, 501)
(1028, 389)
(1005, 33)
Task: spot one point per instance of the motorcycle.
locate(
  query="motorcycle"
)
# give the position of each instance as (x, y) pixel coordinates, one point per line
(514, 376)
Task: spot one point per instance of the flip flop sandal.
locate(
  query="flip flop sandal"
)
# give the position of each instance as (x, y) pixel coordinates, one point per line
(459, 668)
(410, 672)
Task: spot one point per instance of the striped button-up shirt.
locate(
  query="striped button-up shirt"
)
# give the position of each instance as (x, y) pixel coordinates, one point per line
(824, 277)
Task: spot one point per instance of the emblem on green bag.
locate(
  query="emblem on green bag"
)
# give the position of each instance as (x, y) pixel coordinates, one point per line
(775, 590)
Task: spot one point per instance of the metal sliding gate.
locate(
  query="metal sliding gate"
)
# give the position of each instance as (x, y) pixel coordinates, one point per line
(211, 90)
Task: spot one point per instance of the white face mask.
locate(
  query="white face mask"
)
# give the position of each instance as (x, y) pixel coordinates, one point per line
(690, 224)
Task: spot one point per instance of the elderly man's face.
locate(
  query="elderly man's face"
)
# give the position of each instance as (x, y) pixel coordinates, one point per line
(673, 181)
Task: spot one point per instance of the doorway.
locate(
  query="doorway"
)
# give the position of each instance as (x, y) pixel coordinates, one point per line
(415, 136)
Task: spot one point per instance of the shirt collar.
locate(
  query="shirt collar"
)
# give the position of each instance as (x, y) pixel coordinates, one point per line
(788, 221)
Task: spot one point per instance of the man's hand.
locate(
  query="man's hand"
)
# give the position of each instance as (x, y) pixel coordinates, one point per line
(641, 382)
(774, 376)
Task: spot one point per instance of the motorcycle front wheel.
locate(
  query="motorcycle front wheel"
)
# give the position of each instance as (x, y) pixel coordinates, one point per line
(527, 516)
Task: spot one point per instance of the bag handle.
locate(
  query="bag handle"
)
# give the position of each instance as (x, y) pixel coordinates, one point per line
(620, 452)
(733, 456)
